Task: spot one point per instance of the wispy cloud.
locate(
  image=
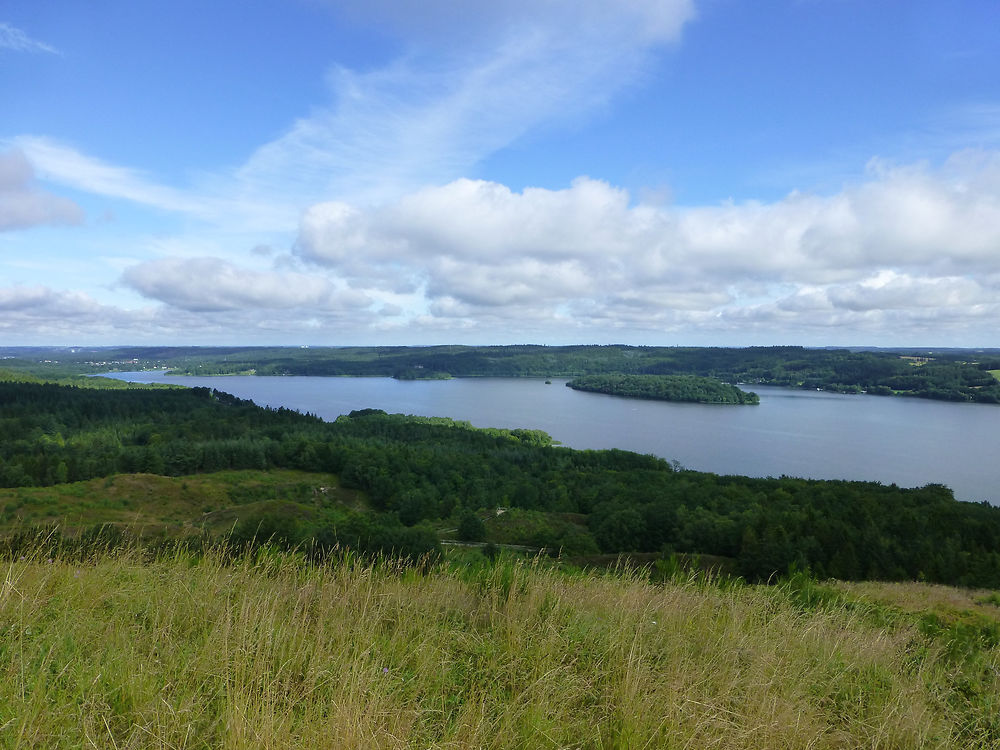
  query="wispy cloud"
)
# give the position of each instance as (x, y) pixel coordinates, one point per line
(65, 165)
(12, 38)
(22, 204)
(217, 203)
(425, 118)
(432, 115)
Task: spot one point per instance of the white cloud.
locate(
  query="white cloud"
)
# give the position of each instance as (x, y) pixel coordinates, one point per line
(908, 243)
(217, 201)
(37, 297)
(888, 290)
(12, 38)
(910, 248)
(29, 314)
(212, 285)
(32, 314)
(23, 205)
(65, 165)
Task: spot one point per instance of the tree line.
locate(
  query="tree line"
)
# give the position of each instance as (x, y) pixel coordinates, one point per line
(943, 374)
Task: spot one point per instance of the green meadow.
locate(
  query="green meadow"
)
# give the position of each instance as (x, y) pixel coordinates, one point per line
(268, 651)
(150, 504)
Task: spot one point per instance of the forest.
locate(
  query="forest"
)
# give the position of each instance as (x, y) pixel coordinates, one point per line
(943, 374)
(419, 474)
(687, 388)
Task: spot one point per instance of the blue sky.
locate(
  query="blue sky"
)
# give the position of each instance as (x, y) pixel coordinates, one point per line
(717, 172)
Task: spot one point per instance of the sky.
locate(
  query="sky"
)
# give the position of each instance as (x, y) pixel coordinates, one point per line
(350, 172)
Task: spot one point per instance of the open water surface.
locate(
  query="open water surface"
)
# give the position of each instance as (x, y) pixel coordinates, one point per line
(815, 434)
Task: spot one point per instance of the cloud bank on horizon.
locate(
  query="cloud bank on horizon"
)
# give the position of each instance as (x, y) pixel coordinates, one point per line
(649, 172)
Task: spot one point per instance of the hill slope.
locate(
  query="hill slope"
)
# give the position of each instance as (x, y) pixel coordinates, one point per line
(205, 653)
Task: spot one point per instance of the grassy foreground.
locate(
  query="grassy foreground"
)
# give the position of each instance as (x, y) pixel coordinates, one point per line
(187, 652)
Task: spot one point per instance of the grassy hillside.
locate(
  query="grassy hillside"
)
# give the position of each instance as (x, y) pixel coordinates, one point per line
(149, 503)
(270, 653)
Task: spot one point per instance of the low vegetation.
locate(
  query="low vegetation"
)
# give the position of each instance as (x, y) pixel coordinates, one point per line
(267, 651)
(150, 504)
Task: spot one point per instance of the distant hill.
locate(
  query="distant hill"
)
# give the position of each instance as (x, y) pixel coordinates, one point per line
(943, 374)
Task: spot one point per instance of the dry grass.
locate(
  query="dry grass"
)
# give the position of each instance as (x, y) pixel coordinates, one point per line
(186, 653)
(920, 598)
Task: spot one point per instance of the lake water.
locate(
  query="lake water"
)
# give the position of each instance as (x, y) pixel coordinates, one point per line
(909, 442)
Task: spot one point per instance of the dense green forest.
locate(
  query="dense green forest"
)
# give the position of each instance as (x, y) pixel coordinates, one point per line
(689, 388)
(416, 472)
(945, 374)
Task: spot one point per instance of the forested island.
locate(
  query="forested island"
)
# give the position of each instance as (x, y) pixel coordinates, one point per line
(686, 388)
(942, 374)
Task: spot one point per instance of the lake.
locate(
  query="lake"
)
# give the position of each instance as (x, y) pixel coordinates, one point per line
(815, 434)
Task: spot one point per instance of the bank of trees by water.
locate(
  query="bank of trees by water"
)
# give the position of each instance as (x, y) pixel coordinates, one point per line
(419, 471)
(687, 388)
(946, 374)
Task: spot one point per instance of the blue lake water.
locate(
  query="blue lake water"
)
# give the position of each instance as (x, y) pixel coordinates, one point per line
(909, 442)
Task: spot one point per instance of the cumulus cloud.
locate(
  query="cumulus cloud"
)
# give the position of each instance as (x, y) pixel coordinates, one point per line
(910, 249)
(212, 285)
(907, 243)
(12, 38)
(31, 313)
(39, 297)
(22, 204)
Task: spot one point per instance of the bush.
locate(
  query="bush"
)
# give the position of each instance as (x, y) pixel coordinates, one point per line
(471, 527)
